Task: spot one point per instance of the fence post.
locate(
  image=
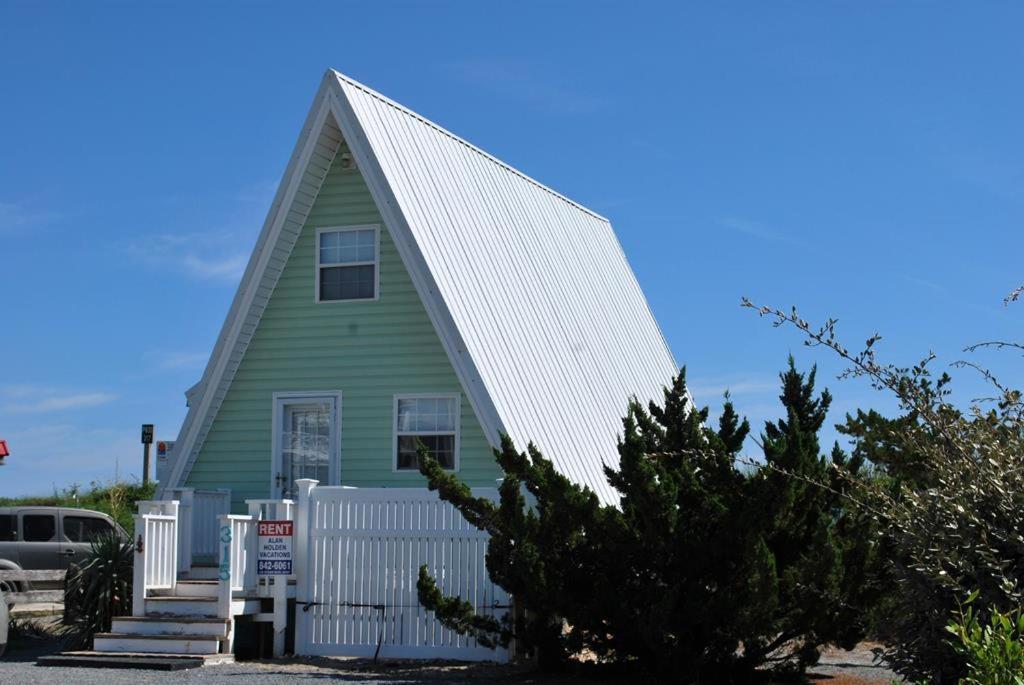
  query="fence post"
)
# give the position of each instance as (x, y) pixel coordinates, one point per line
(282, 511)
(301, 513)
(139, 568)
(186, 512)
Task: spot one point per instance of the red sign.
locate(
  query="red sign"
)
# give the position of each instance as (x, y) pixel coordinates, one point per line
(4, 452)
(282, 528)
(274, 553)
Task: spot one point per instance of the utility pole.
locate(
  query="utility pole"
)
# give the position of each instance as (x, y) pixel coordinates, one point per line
(147, 440)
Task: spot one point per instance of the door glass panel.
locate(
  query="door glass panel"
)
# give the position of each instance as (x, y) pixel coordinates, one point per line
(306, 447)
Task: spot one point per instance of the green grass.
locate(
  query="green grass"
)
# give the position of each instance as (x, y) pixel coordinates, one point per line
(116, 499)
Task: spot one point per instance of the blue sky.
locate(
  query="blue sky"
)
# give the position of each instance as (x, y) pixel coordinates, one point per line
(858, 160)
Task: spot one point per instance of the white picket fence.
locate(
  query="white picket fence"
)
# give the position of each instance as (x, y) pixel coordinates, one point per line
(356, 559)
(363, 549)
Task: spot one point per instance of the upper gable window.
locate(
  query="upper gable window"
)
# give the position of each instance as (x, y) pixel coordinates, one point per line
(347, 260)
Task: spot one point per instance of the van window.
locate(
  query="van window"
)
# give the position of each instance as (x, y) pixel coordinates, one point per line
(8, 528)
(85, 528)
(38, 527)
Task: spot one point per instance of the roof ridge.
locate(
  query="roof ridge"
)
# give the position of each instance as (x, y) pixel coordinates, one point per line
(441, 129)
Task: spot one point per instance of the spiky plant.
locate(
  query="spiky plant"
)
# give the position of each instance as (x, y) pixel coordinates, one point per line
(98, 590)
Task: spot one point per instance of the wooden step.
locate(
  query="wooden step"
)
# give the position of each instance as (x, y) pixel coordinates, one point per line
(190, 588)
(170, 625)
(178, 606)
(156, 644)
(204, 573)
(134, 660)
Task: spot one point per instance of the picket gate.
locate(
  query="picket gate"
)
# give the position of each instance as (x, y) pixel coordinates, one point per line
(362, 549)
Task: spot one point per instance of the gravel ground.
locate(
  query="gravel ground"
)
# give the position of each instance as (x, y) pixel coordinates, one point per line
(856, 667)
(18, 668)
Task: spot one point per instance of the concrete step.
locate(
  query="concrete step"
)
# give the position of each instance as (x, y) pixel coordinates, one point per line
(169, 625)
(178, 606)
(150, 661)
(156, 644)
(190, 588)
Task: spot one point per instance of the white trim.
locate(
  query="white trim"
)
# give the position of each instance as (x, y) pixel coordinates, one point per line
(423, 396)
(375, 263)
(281, 400)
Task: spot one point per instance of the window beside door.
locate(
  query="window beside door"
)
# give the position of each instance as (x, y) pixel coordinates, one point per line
(430, 420)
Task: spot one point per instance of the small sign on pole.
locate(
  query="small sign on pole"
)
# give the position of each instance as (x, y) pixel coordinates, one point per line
(274, 552)
(147, 440)
(163, 453)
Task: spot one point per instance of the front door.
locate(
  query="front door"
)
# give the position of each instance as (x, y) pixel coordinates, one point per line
(306, 442)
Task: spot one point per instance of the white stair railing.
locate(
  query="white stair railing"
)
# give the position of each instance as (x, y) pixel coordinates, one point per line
(156, 551)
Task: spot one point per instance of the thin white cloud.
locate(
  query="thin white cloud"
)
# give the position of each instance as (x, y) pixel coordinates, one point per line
(15, 216)
(30, 399)
(212, 255)
(756, 229)
(229, 267)
(181, 360)
(215, 254)
(923, 282)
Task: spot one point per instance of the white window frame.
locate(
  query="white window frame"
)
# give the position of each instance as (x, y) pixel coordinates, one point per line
(281, 400)
(426, 396)
(375, 263)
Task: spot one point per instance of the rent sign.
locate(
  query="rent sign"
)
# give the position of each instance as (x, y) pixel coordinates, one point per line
(274, 554)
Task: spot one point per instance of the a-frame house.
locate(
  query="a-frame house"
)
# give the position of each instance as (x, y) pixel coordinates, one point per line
(408, 286)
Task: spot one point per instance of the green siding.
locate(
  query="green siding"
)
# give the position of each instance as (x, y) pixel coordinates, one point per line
(369, 350)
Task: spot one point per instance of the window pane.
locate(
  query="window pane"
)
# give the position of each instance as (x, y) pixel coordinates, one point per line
(39, 527)
(8, 528)
(441, 447)
(426, 414)
(343, 247)
(348, 282)
(406, 415)
(446, 414)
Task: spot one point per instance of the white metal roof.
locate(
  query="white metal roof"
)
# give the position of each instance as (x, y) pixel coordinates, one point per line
(530, 292)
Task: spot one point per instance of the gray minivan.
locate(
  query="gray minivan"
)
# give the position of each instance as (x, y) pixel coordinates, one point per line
(48, 538)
